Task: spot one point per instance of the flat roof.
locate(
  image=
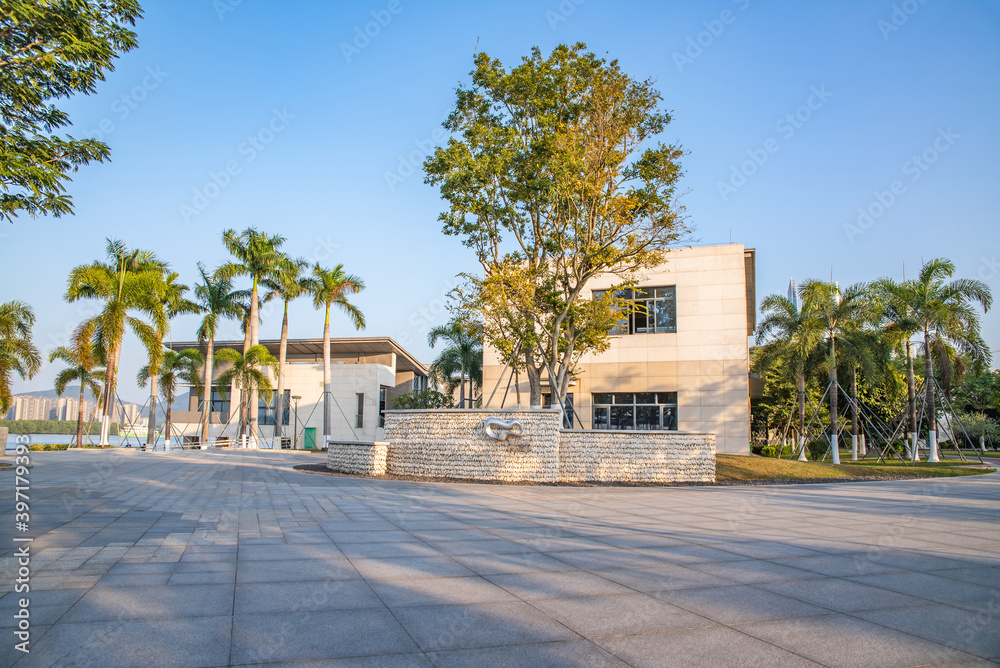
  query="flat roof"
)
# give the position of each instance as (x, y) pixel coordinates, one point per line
(347, 347)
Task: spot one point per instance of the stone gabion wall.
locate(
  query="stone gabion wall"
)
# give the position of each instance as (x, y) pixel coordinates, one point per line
(636, 456)
(357, 458)
(452, 444)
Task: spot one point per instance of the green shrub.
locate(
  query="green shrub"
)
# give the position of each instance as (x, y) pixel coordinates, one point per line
(422, 399)
(817, 448)
(769, 451)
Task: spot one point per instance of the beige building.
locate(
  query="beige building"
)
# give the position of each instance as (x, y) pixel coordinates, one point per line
(366, 374)
(681, 365)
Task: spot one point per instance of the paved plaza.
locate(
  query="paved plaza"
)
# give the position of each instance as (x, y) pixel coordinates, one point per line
(234, 558)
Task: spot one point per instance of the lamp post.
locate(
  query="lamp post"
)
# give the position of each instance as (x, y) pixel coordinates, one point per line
(295, 427)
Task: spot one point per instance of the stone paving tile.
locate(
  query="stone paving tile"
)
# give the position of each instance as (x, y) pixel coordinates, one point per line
(563, 654)
(325, 634)
(841, 640)
(715, 646)
(443, 627)
(187, 550)
(738, 603)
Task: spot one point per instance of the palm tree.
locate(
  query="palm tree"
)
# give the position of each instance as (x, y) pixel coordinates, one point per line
(175, 367)
(841, 316)
(82, 369)
(130, 284)
(247, 373)
(258, 257)
(287, 285)
(789, 332)
(328, 287)
(216, 299)
(464, 354)
(174, 303)
(900, 326)
(945, 312)
(17, 353)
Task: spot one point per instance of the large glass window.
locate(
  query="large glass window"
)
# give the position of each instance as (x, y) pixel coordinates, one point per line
(651, 310)
(569, 416)
(381, 404)
(220, 402)
(265, 411)
(643, 411)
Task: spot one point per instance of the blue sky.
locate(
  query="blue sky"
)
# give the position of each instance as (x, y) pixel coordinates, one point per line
(797, 118)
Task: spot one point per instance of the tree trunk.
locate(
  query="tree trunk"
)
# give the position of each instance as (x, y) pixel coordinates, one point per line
(254, 340)
(911, 402)
(461, 388)
(517, 387)
(109, 371)
(243, 390)
(834, 416)
(79, 417)
(930, 408)
(802, 416)
(279, 397)
(327, 407)
(206, 403)
(854, 414)
(154, 390)
(534, 381)
(166, 429)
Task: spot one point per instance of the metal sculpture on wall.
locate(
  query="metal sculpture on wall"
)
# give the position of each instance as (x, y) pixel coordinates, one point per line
(499, 430)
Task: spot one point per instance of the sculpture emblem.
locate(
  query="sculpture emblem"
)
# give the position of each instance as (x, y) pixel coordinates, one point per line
(499, 430)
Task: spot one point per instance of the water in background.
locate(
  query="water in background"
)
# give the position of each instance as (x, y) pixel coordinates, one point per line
(115, 441)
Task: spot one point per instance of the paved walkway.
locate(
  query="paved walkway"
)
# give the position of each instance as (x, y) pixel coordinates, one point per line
(233, 558)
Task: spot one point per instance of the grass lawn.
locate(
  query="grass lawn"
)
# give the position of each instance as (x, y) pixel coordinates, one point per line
(736, 467)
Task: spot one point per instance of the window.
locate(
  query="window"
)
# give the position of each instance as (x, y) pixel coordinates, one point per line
(642, 411)
(265, 410)
(569, 416)
(381, 405)
(220, 402)
(361, 411)
(652, 310)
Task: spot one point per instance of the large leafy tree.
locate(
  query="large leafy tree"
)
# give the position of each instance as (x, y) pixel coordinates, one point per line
(248, 374)
(129, 284)
(51, 50)
(463, 354)
(288, 284)
(945, 312)
(217, 300)
(553, 176)
(176, 367)
(18, 355)
(330, 287)
(900, 325)
(842, 316)
(82, 369)
(257, 255)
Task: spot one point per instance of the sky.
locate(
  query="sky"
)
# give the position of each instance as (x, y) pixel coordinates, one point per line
(850, 139)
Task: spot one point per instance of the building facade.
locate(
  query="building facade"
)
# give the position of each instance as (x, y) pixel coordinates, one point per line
(366, 373)
(679, 362)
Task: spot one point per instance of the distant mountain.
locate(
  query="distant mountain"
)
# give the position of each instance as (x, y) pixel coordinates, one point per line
(72, 391)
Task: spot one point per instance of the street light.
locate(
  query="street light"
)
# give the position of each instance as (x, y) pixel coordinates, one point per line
(295, 428)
